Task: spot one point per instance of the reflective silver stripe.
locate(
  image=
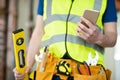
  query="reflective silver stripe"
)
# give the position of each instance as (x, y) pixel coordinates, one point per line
(49, 8)
(72, 18)
(50, 17)
(97, 5)
(72, 39)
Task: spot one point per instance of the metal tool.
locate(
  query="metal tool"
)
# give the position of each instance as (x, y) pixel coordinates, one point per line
(44, 59)
(86, 67)
(92, 61)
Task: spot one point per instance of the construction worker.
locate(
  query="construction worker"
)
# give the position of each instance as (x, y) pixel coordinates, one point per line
(56, 26)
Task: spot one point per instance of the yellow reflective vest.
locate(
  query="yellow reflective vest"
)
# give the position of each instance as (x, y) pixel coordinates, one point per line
(55, 17)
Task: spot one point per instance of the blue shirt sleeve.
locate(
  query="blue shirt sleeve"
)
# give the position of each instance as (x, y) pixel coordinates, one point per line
(40, 7)
(110, 14)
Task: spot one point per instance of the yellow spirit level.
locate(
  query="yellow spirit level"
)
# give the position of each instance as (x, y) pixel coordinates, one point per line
(20, 51)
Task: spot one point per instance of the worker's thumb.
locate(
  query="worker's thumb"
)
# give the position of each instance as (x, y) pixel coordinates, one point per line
(28, 70)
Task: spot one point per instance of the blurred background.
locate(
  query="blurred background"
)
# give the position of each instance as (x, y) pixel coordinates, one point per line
(15, 14)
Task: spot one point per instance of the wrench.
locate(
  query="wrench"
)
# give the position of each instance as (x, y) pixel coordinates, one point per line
(92, 61)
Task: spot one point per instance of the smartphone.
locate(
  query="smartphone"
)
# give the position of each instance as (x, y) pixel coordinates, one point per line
(91, 15)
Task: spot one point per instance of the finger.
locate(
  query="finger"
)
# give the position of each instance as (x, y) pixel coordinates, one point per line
(84, 28)
(92, 28)
(87, 22)
(20, 78)
(81, 33)
(14, 69)
(16, 72)
(28, 70)
(18, 75)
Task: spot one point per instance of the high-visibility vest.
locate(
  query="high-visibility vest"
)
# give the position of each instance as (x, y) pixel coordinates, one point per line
(55, 16)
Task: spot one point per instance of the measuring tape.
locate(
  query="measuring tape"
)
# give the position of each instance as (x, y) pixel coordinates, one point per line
(63, 68)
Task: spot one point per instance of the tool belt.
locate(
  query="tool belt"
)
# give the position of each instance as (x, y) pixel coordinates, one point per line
(78, 71)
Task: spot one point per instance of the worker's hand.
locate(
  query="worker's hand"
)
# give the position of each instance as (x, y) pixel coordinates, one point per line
(88, 31)
(20, 76)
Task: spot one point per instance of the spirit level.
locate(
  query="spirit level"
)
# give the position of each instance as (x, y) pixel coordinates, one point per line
(20, 51)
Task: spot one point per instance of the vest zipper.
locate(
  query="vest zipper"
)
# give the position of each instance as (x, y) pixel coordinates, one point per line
(66, 53)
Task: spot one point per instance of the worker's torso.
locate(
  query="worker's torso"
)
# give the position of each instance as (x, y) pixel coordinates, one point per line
(55, 16)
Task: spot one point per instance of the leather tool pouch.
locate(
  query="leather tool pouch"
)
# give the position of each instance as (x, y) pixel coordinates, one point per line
(97, 72)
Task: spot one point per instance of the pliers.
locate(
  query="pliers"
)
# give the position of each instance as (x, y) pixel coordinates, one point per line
(81, 69)
(90, 62)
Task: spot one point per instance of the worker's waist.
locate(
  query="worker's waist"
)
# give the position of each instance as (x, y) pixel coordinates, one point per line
(78, 70)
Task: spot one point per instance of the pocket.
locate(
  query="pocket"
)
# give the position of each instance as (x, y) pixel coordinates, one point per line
(50, 67)
(48, 72)
(108, 74)
(91, 77)
(44, 75)
(97, 73)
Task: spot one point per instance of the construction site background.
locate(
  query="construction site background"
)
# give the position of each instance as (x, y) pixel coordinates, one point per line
(16, 14)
